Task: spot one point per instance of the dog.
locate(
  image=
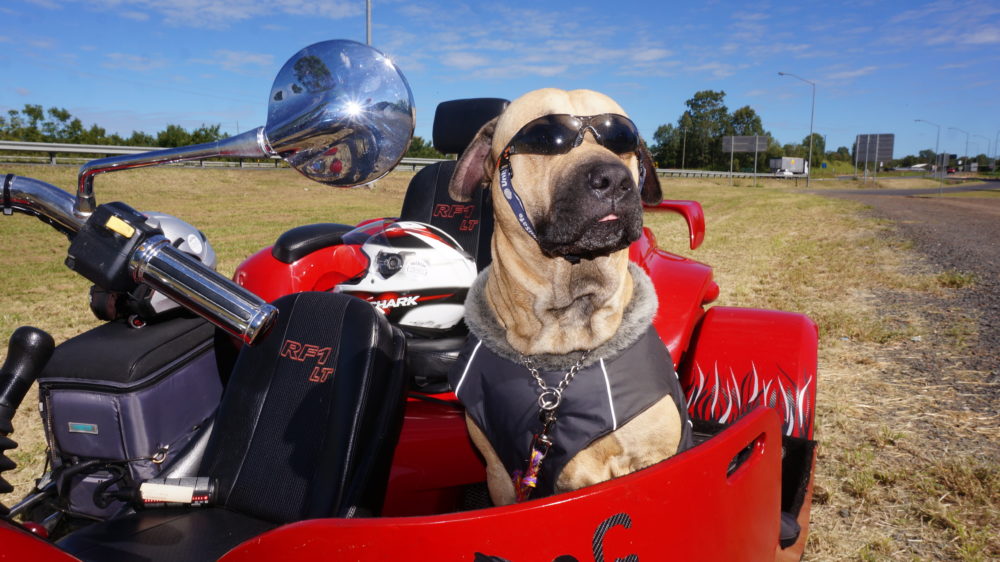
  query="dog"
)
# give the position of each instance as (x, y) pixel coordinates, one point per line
(567, 174)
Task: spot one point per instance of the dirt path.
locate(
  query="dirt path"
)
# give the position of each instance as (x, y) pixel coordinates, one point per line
(960, 235)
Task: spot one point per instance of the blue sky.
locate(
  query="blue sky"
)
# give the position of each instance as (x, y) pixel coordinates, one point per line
(878, 66)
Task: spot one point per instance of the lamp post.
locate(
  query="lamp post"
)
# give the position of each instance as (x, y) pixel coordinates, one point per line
(368, 22)
(989, 145)
(684, 144)
(812, 113)
(966, 142)
(937, 155)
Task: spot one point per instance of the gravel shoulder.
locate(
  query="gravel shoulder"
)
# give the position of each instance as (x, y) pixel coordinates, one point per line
(960, 236)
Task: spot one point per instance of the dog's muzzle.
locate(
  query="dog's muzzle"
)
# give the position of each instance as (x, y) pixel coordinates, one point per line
(596, 210)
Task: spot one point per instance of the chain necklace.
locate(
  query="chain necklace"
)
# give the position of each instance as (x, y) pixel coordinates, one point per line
(550, 398)
(548, 401)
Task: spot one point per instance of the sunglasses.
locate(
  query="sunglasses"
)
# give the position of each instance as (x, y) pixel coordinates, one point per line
(559, 133)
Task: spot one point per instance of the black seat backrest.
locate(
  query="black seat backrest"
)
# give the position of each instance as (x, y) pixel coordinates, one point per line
(310, 418)
(427, 200)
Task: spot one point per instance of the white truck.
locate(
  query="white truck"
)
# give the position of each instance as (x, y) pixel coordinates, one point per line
(789, 166)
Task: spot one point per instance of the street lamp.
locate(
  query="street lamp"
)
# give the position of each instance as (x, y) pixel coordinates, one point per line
(812, 113)
(966, 142)
(988, 147)
(937, 145)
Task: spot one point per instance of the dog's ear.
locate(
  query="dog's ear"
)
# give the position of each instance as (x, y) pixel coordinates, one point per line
(475, 165)
(650, 188)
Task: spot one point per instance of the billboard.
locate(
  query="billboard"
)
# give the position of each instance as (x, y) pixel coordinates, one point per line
(752, 143)
(873, 147)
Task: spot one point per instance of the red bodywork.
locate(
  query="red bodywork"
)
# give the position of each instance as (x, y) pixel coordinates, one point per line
(753, 371)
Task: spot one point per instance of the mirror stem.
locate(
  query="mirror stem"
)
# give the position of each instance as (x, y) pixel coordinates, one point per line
(251, 144)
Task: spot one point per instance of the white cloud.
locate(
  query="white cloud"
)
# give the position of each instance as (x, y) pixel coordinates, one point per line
(134, 15)
(851, 74)
(717, 69)
(516, 70)
(22, 92)
(218, 14)
(129, 61)
(464, 60)
(982, 36)
(238, 61)
(41, 43)
(651, 54)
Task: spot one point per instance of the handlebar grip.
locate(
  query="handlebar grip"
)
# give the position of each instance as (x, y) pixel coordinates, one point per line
(202, 290)
(27, 353)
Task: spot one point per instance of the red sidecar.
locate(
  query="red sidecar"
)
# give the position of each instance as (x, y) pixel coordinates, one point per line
(742, 493)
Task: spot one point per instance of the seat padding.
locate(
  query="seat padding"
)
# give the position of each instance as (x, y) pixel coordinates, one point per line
(307, 428)
(301, 241)
(311, 416)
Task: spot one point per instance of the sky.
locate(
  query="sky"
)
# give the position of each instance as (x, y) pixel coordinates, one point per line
(877, 66)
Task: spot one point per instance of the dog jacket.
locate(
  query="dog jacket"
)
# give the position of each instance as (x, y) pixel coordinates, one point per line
(501, 396)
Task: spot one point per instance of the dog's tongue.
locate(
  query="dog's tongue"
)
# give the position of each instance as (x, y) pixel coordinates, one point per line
(611, 217)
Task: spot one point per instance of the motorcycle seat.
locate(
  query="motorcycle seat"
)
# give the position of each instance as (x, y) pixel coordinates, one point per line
(301, 241)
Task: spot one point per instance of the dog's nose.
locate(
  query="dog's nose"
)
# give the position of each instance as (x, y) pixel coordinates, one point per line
(609, 180)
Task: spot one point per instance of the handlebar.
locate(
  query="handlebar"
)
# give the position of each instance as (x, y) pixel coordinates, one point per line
(148, 255)
(187, 281)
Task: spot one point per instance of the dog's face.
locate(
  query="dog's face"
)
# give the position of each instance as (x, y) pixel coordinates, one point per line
(584, 202)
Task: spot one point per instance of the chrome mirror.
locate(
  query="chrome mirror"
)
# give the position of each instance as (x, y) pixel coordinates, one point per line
(340, 112)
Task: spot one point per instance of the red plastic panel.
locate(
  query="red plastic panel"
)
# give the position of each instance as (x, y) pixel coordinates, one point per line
(321, 270)
(433, 460)
(683, 286)
(18, 544)
(743, 357)
(692, 213)
(685, 508)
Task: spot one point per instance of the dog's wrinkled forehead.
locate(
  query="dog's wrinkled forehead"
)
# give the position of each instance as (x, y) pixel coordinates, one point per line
(549, 101)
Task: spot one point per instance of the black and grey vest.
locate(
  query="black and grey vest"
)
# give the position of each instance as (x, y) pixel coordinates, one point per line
(618, 381)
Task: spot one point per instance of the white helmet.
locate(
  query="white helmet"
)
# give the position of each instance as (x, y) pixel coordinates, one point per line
(417, 274)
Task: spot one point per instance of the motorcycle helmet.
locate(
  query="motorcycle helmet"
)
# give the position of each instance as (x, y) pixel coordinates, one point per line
(417, 275)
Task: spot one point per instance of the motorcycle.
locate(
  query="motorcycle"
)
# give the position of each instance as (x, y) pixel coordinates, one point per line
(274, 416)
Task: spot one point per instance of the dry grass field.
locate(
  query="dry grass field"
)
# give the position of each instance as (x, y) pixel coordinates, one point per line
(909, 467)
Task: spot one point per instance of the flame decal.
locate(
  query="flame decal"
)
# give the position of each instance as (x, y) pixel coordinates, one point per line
(725, 399)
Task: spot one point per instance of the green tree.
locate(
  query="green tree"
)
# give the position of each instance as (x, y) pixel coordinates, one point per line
(696, 140)
(139, 138)
(710, 121)
(842, 154)
(818, 148)
(419, 148)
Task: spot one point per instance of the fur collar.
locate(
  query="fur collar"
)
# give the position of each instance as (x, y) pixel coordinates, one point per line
(638, 316)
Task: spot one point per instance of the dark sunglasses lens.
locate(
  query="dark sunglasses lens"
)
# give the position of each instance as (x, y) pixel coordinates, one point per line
(618, 134)
(551, 134)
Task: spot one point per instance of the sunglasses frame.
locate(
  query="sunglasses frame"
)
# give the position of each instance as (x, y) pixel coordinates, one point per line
(578, 126)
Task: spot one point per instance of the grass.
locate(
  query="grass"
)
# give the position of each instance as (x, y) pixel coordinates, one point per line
(905, 471)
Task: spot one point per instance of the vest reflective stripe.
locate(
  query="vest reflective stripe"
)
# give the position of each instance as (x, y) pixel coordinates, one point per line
(502, 398)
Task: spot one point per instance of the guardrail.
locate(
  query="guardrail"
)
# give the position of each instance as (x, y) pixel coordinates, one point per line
(53, 150)
(56, 153)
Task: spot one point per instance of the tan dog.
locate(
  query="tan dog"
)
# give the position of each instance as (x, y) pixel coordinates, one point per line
(566, 289)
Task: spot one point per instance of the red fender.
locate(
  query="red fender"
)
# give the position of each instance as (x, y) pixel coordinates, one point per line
(683, 287)
(742, 357)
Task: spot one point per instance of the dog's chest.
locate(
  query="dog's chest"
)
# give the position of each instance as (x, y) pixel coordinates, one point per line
(501, 396)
